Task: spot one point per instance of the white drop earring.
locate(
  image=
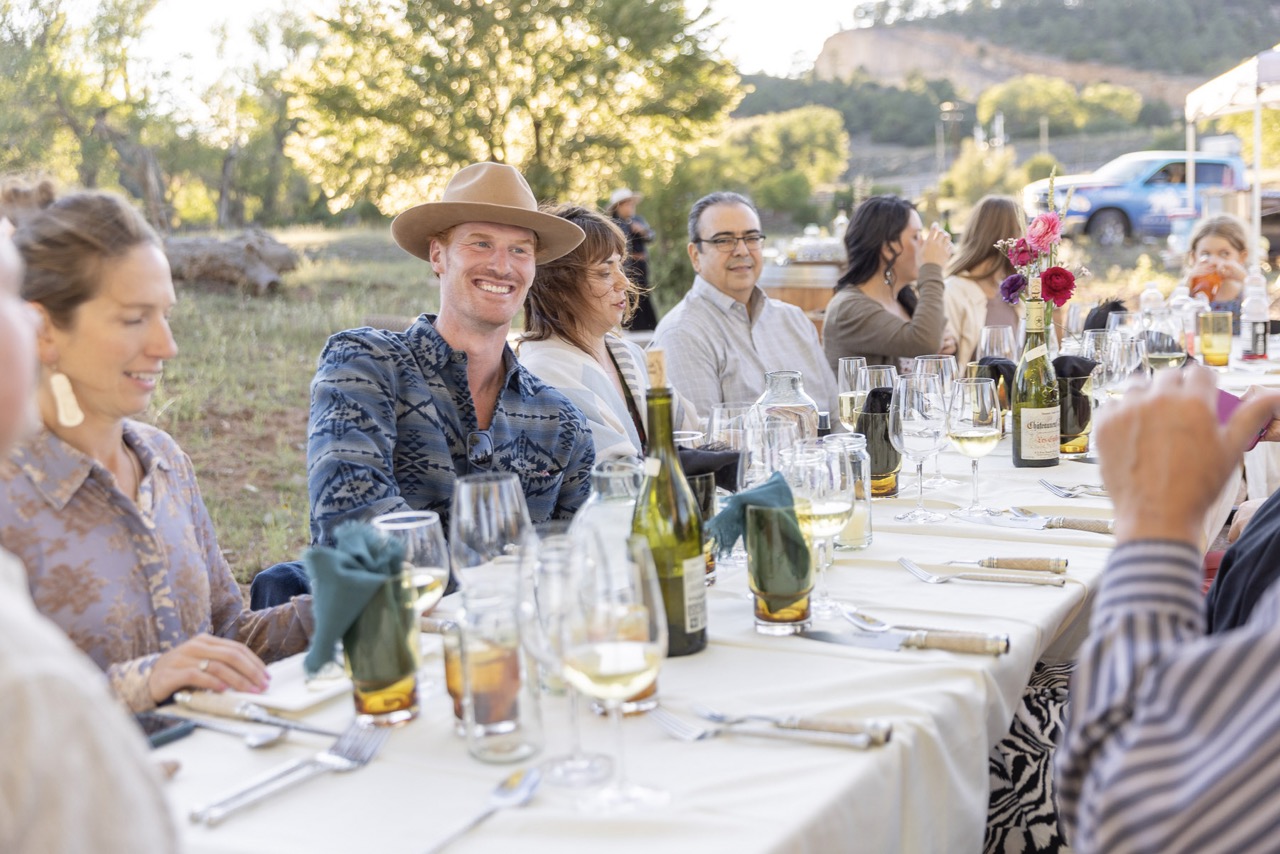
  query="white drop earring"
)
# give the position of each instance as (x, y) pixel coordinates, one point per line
(64, 401)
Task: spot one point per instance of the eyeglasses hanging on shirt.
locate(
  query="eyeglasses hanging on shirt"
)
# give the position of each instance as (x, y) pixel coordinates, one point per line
(480, 450)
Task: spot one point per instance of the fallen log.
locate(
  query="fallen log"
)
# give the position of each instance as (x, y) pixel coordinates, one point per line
(252, 261)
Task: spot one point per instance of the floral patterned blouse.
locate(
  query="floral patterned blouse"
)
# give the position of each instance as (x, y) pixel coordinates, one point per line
(129, 581)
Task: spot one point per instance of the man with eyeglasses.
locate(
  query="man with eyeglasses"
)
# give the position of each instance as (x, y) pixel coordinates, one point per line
(725, 334)
(396, 417)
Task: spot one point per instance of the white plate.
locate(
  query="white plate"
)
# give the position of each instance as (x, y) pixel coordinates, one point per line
(290, 691)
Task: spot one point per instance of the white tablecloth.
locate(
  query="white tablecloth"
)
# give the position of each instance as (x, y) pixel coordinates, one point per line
(925, 791)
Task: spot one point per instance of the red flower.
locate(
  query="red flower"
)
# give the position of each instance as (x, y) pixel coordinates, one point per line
(1044, 232)
(1020, 254)
(1057, 284)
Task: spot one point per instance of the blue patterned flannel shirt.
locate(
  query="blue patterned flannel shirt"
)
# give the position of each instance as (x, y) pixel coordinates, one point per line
(390, 416)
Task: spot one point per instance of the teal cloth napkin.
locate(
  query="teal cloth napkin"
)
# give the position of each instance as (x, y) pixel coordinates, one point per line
(725, 527)
(343, 580)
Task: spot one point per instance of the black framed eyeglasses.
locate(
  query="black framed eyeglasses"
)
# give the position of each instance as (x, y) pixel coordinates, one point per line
(726, 243)
(480, 449)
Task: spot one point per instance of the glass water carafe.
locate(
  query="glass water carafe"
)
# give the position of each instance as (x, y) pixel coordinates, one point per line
(784, 400)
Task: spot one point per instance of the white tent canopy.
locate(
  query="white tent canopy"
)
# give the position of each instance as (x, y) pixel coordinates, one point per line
(1249, 87)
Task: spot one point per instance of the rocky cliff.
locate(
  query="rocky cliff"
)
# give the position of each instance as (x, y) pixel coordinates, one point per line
(890, 54)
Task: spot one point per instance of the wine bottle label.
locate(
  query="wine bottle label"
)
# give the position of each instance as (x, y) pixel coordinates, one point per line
(1040, 352)
(695, 593)
(1040, 433)
(652, 466)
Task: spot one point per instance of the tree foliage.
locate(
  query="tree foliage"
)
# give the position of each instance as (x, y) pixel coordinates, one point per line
(567, 91)
(809, 141)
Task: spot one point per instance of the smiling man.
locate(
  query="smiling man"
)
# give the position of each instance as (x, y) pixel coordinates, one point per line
(396, 417)
(725, 334)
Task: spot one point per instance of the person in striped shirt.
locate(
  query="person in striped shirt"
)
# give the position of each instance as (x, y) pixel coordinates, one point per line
(1174, 738)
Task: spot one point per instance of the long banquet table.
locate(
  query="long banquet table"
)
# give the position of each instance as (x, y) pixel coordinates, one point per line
(925, 791)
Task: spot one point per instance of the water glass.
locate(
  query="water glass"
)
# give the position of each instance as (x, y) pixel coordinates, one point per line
(726, 423)
(780, 567)
(380, 653)
(917, 429)
(1215, 338)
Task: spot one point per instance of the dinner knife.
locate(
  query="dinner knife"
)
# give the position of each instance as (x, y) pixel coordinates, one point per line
(1035, 522)
(1042, 564)
(895, 639)
(232, 707)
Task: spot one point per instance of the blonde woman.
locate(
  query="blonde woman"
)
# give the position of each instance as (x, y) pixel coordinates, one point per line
(972, 297)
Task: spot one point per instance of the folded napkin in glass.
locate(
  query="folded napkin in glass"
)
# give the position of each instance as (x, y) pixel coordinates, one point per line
(727, 526)
(344, 579)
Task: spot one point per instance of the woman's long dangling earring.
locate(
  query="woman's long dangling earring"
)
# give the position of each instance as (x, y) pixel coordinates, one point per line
(888, 277)
(64, 400)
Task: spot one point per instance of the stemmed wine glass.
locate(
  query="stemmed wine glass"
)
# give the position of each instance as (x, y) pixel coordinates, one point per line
(973, 426)
(764, 440)
(726, 423)
(547, 559)
(1124, 322)
(917, 428)
(852, 388)
(489, 522)
(946, 369)
(821, 481)
(426, 555)
(614, 640)
(1165, 339)
(1095, 345)
(996, 342)
(1126, 357)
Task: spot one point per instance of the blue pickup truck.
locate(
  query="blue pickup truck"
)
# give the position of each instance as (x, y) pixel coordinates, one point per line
(1137, 195)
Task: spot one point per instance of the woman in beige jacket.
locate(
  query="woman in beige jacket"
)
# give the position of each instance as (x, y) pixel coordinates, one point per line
(972, 296)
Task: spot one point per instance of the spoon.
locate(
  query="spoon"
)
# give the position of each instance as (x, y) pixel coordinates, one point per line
(514, 791)
(254, 739)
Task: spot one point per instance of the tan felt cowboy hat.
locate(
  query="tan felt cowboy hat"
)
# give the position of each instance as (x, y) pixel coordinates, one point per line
(485, 192)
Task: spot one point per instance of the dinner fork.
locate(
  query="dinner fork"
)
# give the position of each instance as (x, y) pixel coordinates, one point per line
(1005, 578)
(677, 727)
(353, 749)
(1090, 489)
(681, 729)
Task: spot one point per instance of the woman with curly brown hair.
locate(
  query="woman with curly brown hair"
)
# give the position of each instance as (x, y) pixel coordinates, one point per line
(574, 305)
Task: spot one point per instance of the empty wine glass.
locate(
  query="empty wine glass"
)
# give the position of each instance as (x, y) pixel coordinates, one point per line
(1126, 359)
(489, 521)
(547, 569)
(821, 481)
(1165, 340)
(996, 342)
(880, 376)
(615, 637)
(851, 385)
(726, 423)
(1126, 323)
(946, 369)
(917, 428)
(973, 426)
(763, 444)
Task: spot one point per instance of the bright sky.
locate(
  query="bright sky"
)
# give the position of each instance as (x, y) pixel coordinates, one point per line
(777, 37)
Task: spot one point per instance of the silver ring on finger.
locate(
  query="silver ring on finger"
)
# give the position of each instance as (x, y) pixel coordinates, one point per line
(203, 665)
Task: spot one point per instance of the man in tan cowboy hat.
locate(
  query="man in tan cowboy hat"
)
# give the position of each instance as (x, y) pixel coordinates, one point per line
(396, 417)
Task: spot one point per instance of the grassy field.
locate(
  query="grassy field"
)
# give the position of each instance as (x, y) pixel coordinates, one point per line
(236, 396)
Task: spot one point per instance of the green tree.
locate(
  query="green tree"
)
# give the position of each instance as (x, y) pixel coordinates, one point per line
(1106, 106)
(810, 141)
(569, 92)
(978, 172)
(1023, 100)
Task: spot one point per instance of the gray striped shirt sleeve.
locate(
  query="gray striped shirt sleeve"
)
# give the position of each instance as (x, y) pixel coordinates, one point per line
(1174, 737)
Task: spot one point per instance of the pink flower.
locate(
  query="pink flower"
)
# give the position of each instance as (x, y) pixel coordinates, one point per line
(1020, 254)
(1045, 232)
(1057, 284)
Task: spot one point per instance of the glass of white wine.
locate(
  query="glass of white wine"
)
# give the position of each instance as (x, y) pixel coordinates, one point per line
(852, 389)
(426, 555)
(615, 637)
(973, 426)
(917, 429)
(1165, 338)
(821, 479)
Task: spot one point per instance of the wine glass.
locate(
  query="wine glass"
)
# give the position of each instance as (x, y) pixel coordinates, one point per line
(614, 640)
(488, 523)
(547, 558)
(1165, 340)
(764, 440)
(973, 426)
(821, 481)
(1124, 322)
(852, 390)
(726, 423)
(880, 376)
(946, 369)
(996, 342)
(917, 428)
(1126, 358)
(426, 555)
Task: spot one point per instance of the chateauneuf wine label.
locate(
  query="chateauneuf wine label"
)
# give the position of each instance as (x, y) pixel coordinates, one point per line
(695, 594)
(1040, 433)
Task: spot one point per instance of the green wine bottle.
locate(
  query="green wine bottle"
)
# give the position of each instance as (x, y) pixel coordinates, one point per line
(667, 516)
(1035, 392)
